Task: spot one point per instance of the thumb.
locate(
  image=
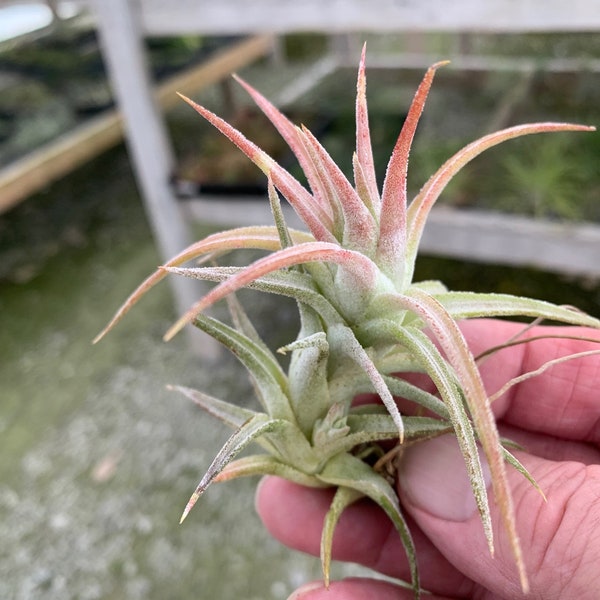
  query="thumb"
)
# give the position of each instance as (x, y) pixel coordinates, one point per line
(560, 538)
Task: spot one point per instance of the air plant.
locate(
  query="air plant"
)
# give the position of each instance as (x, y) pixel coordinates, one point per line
(363, 323)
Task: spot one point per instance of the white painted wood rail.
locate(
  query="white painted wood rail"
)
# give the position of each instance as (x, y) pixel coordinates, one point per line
(161, 17)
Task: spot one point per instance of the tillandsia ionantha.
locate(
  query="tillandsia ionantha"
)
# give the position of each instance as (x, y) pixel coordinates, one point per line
(363, 323)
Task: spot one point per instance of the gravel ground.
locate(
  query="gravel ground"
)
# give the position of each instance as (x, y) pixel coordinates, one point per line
(97, 459)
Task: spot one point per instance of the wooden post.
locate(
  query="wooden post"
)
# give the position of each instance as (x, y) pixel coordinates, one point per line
(147, 140)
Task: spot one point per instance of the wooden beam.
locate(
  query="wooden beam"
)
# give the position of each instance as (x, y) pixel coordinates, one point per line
(52, 161)
(161, 17)
(472, 235)
(41, 167)
(498, 238)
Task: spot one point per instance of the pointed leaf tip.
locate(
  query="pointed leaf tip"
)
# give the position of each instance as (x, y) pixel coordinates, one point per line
(188, 507)
(393, 220)
(364, 150)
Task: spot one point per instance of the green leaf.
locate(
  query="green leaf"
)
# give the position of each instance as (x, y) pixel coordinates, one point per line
(333, 426)
(343, 498)
(369, 428)
(293, 138)
(293, 448)
(255, 427)
(264, 464)
(447, 333)
(382, 424)
(420, 207)
(415, 394)
(285, 238)
(306, 206)
(512, 460)
(308, 388)
(431, 286)
(347, 471)
(262, 237)
(360, 228)
(391, 249)
(444, 378)
(343, 339)
(285, 437)
(290, 283)
(365, 177)
(231, 414)
(467, 305)
(243, 323)
(271, 381)
(347, 383)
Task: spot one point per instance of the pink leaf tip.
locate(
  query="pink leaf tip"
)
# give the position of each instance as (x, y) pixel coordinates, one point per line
(189, 506)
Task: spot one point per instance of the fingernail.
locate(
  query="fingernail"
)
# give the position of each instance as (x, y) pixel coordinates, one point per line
(305, 589)
(433, 477)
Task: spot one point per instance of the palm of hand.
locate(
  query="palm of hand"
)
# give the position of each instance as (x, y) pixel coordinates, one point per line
(555, 416)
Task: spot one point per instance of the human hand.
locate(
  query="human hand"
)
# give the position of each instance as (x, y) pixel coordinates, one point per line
(555, 416)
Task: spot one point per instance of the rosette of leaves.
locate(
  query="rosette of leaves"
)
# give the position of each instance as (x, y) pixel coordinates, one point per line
(364, 323)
